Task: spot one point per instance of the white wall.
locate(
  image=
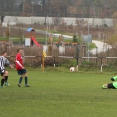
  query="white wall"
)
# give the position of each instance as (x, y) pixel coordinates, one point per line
(67, 20)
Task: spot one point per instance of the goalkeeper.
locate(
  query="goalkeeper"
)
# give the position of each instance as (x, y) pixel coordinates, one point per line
(111, 85)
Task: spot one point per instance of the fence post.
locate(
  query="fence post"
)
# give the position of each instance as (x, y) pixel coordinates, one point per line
(77, 57)
(96, 55)
(54, 61)
(41, 61)
(101, 64)
(108, 56)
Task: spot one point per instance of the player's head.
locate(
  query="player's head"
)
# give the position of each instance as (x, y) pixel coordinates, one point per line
(4, 53)
(19, 51)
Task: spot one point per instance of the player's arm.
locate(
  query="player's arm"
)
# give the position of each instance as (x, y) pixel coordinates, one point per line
(8, 63)
(19, 64)
(18, 61)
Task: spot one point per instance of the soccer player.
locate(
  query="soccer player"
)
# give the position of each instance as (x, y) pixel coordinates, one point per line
(21, 69)
(111, 85)
(4, 61)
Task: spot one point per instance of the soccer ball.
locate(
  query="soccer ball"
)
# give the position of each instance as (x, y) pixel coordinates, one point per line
(72, 69)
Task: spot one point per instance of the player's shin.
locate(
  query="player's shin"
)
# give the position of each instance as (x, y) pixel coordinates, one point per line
(26, 80)
(2, 82)
(20, 80)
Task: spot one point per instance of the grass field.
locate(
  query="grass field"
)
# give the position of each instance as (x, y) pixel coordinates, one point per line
(59, 94)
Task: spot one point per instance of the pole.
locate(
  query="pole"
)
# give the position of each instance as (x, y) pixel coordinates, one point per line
(88, 42)
(23, 7)
(41, 9)
(88, 29)
(32, 7)
(46, 29)
(9, 34)
(83, 9)
(50, 9)
(77, 56)
(101, 68)
(47, 22)
(46, 38)
(77, 67)
(54, 62)
(103, 39)
(88, 51)
(42, 62)
(96, 55)
(101, 64)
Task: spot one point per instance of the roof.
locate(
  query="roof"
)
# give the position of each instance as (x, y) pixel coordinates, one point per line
(30, 29)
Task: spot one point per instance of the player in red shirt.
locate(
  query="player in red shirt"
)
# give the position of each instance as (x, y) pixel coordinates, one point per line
(21, 69)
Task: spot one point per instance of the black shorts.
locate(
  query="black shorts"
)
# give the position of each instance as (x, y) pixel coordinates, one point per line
(110, 86)
(2, 72)
(21, 71)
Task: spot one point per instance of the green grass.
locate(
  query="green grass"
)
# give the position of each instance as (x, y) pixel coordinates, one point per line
(92, 46)
(58, 94)
(40, 39)
(4, 39)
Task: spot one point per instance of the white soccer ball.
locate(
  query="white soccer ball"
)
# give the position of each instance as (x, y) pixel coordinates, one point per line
(72, 69)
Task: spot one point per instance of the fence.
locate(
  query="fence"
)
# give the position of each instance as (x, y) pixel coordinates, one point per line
(57, 56)
(55, 63)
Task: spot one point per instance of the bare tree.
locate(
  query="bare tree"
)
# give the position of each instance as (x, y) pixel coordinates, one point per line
(26, 10)
(7, 5)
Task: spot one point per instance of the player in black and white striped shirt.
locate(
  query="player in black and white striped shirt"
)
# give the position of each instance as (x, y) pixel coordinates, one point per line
(4, 61)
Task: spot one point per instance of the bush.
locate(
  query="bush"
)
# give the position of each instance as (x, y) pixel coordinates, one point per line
(75, 39)
(105, 25)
